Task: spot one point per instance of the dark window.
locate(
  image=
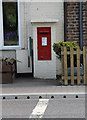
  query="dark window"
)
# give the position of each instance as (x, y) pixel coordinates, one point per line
(10, 23)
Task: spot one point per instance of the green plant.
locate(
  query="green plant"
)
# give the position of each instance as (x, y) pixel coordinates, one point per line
(8, 60)
(11, 61)
(57, 47)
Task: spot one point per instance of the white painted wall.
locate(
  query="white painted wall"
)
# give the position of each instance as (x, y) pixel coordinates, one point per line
(42, 11)
(22, 67)
(50, 11)
(9, 53)
(23, 53)
(44, 69)
(25, 23)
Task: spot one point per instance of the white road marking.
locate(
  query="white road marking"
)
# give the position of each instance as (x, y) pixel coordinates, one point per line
(40, 108)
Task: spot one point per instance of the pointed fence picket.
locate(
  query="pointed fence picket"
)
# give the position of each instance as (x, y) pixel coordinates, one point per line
(64, 64)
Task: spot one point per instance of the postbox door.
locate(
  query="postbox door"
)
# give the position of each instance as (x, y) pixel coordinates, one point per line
(44, 43)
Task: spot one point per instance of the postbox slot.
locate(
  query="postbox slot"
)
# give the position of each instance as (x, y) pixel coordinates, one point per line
(44, 33)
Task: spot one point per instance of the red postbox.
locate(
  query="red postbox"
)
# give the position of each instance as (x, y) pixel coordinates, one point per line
(44, 43)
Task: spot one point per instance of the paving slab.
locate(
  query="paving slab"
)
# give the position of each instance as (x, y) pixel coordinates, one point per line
(30, 86)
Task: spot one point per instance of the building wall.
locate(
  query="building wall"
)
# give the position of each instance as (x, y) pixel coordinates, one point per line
(50, 11)
(43, 11)
(24, 23)
(84, 14)
(72, 22)
(24, 15)
(46, 11)
(44, 68)
(1, 25)
(24, 33)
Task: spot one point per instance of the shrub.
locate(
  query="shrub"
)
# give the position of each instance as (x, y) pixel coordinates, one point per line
(57, 47)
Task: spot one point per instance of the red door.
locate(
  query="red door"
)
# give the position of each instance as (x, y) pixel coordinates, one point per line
(44, 43)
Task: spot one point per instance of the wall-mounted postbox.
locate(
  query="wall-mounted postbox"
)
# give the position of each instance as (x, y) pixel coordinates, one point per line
(44, 43)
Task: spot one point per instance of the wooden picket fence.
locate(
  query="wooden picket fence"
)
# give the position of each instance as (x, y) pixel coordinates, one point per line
(72, 78)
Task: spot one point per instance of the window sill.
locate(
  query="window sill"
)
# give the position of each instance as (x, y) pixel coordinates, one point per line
(11, 47)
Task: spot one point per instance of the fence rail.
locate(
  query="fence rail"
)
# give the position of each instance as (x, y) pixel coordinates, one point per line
(64, 63)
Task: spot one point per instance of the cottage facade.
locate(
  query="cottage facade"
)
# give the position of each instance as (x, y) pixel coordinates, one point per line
(38, 26)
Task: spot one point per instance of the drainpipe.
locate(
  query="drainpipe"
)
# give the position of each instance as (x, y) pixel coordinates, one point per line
(65, 31)
(81, 31)
(80, 20)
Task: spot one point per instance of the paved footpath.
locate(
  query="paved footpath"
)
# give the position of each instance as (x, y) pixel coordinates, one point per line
(38, 98)
(23, 87)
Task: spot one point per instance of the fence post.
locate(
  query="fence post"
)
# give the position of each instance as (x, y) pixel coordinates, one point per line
(62, 60)
(84, 64)
(65, 66)
(72, 65)
(78, 65)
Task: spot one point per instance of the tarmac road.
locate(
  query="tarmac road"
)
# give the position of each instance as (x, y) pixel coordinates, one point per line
(44, 108)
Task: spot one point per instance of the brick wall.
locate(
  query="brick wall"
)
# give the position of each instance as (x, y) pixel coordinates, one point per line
(84, 13)
(72, 21)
